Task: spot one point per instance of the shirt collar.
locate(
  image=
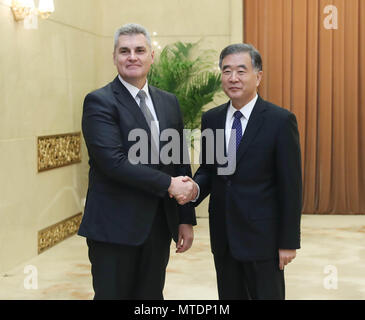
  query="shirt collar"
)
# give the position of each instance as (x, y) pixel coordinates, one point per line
(132, 89)
(245, 110)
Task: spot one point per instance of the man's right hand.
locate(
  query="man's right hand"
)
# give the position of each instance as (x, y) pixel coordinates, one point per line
(183, 191)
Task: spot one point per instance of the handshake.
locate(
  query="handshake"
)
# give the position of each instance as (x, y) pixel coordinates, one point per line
(183, 189)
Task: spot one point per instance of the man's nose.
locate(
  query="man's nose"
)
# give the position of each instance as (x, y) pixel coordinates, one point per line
(132, 55)
(233, 77)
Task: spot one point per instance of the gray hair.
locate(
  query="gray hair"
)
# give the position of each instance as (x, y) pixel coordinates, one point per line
(239, 48)
(131, 29)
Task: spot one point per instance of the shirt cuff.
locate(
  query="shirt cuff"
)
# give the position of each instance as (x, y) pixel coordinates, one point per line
(198, 193)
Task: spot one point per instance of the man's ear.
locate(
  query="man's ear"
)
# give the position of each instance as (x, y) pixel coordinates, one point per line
(153, 55)
(258, 78)
(114, 57)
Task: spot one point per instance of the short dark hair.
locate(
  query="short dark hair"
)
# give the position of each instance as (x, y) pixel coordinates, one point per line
(243, 47)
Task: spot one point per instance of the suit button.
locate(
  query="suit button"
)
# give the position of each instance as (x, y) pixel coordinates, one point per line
(229, 183)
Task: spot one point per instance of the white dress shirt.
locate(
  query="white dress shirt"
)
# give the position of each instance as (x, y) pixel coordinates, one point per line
(246, 112)
(134, 91)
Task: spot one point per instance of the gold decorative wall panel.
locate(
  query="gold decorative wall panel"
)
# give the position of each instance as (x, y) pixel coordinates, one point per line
(58, 232)
(58, 150)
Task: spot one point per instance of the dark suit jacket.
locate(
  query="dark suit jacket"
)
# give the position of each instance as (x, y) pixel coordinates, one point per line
(256, 210)
(123, 198)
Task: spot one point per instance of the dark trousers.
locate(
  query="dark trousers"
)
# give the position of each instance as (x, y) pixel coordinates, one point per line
(248, 280)
(131, 272)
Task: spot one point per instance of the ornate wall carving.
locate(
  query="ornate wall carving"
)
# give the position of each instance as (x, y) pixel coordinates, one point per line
(58, 232)
(58, 150)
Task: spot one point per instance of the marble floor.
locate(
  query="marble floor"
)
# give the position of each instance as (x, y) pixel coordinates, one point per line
(330, 265)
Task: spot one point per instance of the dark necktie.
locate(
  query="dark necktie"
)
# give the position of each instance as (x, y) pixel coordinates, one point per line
(234, 142)
(238, 127)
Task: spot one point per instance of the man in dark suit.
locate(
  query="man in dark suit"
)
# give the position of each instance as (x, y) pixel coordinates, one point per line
(255, 210)
(130, 215)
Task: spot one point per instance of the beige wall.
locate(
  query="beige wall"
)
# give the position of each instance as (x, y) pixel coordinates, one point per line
(45, 74)
(215, 22)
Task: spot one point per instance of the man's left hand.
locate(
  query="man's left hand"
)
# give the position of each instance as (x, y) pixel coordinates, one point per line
(186, 237)
(285, 257)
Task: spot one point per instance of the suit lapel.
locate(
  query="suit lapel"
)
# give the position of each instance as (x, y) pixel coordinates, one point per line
(221, 123)
(222, 115)
(127, 101)
(253, 126)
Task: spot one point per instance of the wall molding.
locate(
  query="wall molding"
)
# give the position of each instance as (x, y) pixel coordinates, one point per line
(54, 234)
(58, 150)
